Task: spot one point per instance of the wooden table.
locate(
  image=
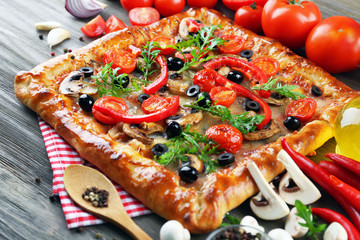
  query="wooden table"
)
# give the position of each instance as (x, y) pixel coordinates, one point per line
(25, 209)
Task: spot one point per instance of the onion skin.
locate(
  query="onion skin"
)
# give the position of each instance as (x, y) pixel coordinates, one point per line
(83, 8)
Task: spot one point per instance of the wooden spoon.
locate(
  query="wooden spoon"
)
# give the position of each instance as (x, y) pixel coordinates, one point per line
(77, 178)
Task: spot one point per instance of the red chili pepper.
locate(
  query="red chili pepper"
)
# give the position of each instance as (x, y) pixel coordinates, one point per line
(134, 50)
(332, 216)
(348, 163)
(349, 192)
(247, 67)
(342, 173)
(322, 177)
(161, 80)
(153, 117)
(193, 26)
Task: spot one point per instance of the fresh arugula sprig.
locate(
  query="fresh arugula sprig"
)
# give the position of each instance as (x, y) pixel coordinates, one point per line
(231, 220)
(243, 122)
(110, 83)
(204, 42)
(138, 82)
(311, 224)
(149, 53)
(191, 143)
(285, 90)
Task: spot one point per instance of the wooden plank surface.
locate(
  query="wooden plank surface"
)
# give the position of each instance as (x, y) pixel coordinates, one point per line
(25, 209)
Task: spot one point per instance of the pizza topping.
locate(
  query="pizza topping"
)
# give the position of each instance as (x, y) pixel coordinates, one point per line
(164, 43)
(247, 53)
(160, 80)
(175, 63)
(232, 44)
(225, 159)
(270, 66)
(303, 109)
(267, 204)
(142, 97)
(228, 137)
(155, 103)
(316, 91)
(86, 102)
(141, 131)
(193, 91)
(251, 105)
(159, 149)
(74, 84)
(203, 100)
(235, 76)
(268, 131)
(173, 129)
(189, 119)
(222, 96)
(188, 174)
(121, 60)
(292, 123)
(87, 71)
(193, 161)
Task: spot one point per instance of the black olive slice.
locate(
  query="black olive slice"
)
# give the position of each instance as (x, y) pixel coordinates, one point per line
(142, 97)
(316, 91)
(292, 123)
(87, 71)
(173, 129)
(175, 63)
(247, 53)
(226, 159)
(188, 174)
(251, 105)
(204, 100)
(159, 149)
(193, 91)
(86, 102)
(123, 81)
(235, 76)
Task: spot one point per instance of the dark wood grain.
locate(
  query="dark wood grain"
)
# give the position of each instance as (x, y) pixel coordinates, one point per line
(25, 209)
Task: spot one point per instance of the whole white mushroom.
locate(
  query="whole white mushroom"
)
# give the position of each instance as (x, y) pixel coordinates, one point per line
(279, 234)
(174, 230)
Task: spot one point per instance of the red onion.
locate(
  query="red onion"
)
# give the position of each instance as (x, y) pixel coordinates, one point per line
(84, 8)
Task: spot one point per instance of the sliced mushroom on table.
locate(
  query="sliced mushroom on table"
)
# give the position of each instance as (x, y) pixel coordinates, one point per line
(303, 189)
(292, 225)
(266, 204)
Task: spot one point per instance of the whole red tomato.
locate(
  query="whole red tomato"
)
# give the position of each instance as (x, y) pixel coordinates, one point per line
(236, 4)
(249, 17)
(202, 3)
(130, 4)
(169, 7)
(334, 44)
(289, 22)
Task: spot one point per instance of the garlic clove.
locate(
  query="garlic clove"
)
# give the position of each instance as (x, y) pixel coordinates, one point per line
(57, 35)
(335, 231)
(47, 25)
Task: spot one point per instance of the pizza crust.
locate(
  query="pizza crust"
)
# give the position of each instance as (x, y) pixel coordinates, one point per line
(158, 188)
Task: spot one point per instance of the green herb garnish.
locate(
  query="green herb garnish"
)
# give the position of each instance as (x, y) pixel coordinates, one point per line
(243, 122)
(231, 220)
(191, 143)
(286, 90)
(149, 53)
(203, 43)
(311, 224)
(110, 83)
(137, 83)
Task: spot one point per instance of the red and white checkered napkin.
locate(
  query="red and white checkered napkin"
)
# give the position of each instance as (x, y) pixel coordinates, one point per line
(61, 154)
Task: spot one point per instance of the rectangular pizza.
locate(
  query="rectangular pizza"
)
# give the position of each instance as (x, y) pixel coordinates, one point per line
(176, 124)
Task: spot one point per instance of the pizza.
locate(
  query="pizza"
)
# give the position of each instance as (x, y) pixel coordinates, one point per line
(175, 110)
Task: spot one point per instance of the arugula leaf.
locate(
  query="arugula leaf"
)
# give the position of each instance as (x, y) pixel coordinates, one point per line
(203, 42)
(191, 143)
(231, 220)
(149, 53)
(286, 90)
(243, 122)
(312, 225)
(109, 82)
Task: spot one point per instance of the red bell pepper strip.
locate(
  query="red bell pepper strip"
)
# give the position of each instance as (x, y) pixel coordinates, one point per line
(193, 26)
(153, 117)
(349, 192)
(348, 163)
(322, 177)
(223, 81)
(332, 216)
(247, 67)
(342, 173)
(161, 80)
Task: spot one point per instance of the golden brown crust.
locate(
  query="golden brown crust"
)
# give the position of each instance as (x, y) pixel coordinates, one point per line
(158, 188)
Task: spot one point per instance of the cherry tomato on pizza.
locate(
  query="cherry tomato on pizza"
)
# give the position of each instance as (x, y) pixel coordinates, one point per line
(206, 79)
(222, 96)
(169, 7)
(249, 17)
(94, 28)
(269, 66)
(236, 4)
(117, 104)
(334, 44)
(226, 136)
(143, 16)
(164, 42)
(202, 3)
(233, 44)
(120, 59)
(304, 109)
(114, 24)
(290, 21)
(130, 4)
(155, 103)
